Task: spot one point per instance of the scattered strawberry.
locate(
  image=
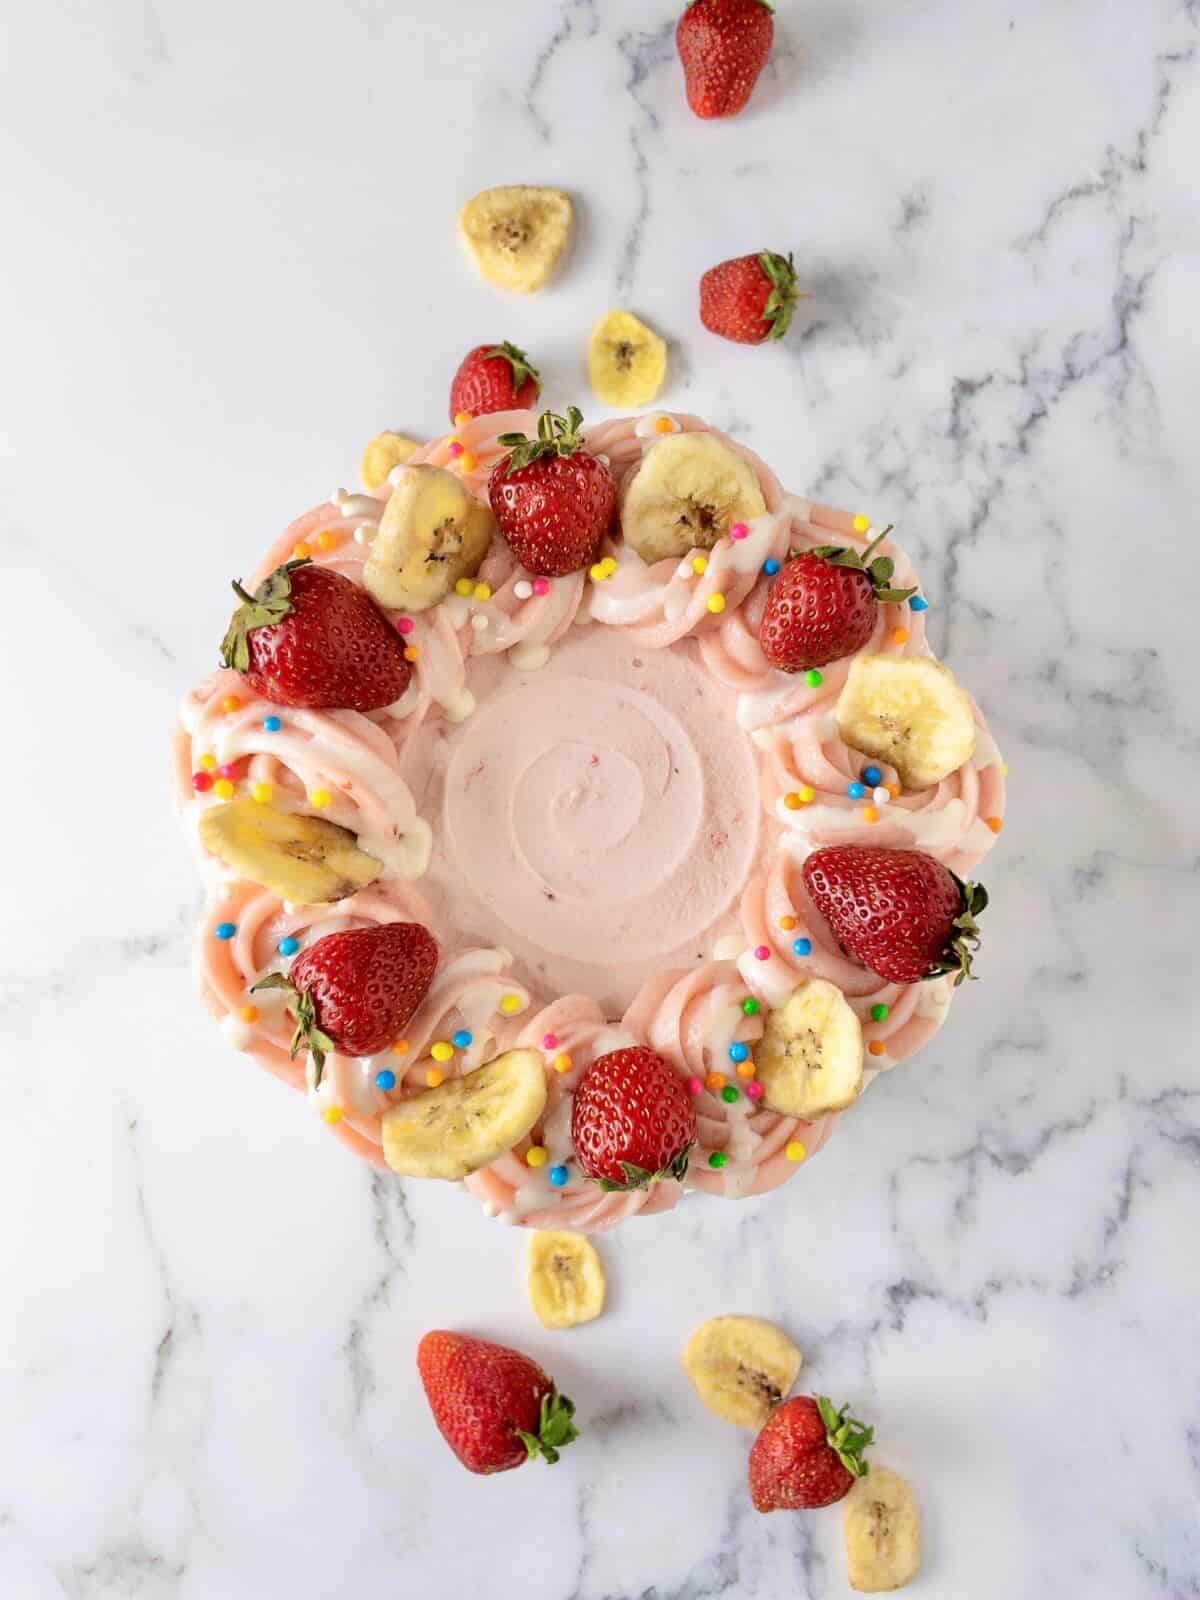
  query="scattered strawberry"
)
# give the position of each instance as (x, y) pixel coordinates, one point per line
(494, 377)
(749, 299)
(823, 605)
(354, 991)
(632, 1122)
(552, 500)
(900, 912)
(723, 45)
(807, 1455)
(309, 637)
(494, 1407)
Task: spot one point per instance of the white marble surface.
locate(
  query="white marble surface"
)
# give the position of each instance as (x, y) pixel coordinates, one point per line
(229, 257)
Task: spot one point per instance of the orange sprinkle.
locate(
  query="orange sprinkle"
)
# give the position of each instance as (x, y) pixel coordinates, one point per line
(412, 653)
(787, 923)
(434, 1079)
(994, 823)
(400, 1048)
(230, 704)
(745, 1069)
(461, 418)
(249, 1013)
(327, 540)
(899, 635)
(876, 1047)
(563, 1062)
(893, 789)
(792, 801)
(663, 425)
(300, 552)
(715, 1081)
(870, 814)
(467, 462)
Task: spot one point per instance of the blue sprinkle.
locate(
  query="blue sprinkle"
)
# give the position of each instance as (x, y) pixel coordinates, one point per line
(225, 930)
(272, 724)
(288, 947)
(771, 567)
(385, 1079)
(873, 776)
(802, 947)
(558, 1177)
(461, 1039)
(917, 604)
(855, 791)
(738, 1051)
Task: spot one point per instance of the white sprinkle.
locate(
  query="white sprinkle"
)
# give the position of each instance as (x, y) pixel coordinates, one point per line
(479, 622)
(523, 589)
(881, 796)
(684, 569)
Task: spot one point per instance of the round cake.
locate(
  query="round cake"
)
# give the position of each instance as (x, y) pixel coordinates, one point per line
(599, 796)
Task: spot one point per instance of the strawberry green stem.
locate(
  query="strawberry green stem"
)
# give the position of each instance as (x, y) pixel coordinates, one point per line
(556, 1429)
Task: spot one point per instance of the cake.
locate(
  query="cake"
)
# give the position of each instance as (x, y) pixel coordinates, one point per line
(598, 796)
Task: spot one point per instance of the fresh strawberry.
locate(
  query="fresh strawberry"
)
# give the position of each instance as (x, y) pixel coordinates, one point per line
(900, 912)
(494, 377)
(751, 298)
(823, 605)
(552, 500)
(494, 1407)
(633, 1121)
(723, 45)
(807, 1455)
(309, 637)
(354, 991)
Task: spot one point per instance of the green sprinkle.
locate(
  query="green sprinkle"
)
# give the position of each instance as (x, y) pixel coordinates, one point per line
(718, 1158)
(729, 1094)
(879, 1013)
(813, 678)
(750, 1006)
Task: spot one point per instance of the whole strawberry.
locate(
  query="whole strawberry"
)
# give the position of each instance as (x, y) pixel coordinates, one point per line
(309, 637)
(494, 377)
(749, 299)
(900, 912)
(553, 501)
(723, 45)
(354, 991)
(823, 605)
(494, 1407)
(633, 1121)
(807, 1455)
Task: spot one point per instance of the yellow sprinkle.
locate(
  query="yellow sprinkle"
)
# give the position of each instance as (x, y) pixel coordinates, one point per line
(745, 1069)
(461, 418)
(262, 792)
(795, 1151)
(870, 814)
(301, 552)
(249, 1013)
(320, 798)
(562, 1062)
(463, 587)
(482, 591)
(223, 789)
(597, 573)
(806, 794)
(609, 564)
(231, 703)
(510, 1003)
(1004, 768)
(535, 1156)
(327, 540)
(334, 1114)
(434, 1079)
(467, 462)
(663, 425)
(207, 762)
(412, 652)
(861, 524)
(716, 602)
(699, 565)
(441, 1050)
(787, 923)
(400, 1048)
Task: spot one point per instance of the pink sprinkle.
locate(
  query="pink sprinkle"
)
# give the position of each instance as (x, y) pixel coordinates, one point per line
(405, 624)
(454, 449)
(549, 1041)
(695, 1087)
(541, 586)
(738, 530)
(229, 770)
(754, 1089)
(763, 952)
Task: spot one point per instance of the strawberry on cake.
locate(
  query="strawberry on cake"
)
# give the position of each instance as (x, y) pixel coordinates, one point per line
(586, 818)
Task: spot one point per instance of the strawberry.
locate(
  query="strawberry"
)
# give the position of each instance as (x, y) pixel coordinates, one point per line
(552, 500)
(494, 377)
(807, 1455)
(749, 299)
(723, 45)
(900, 912)
(354, 991)
(309, 637)
(632, 1122)
(494, 1407)
(822, 605)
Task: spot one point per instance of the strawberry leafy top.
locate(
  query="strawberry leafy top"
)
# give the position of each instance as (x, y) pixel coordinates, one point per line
(958, 954)
(304, 1011)
(638, 1178)
(846, 1436)
(879, 571)
(556, 436)
(556, 1428)
(270, 602)
(519, 362)
(781, 301)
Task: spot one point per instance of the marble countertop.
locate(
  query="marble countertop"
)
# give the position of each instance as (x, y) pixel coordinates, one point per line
(230, 257)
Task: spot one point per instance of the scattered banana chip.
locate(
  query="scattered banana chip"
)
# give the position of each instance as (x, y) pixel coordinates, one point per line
(627, 361)
(385, 451)
(517, 234)
(304, 859)
(453, 1130)
(565, 1279)
(741, 1367)
(883, 1533)
(810, 1057)
(909, 711)
(685, 494)
(433, 531)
